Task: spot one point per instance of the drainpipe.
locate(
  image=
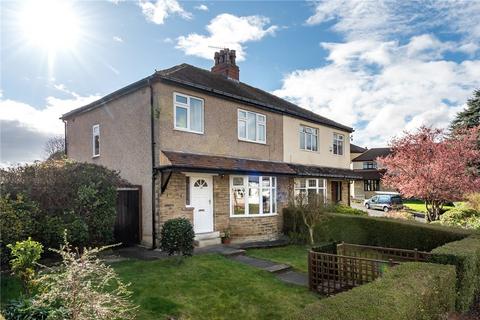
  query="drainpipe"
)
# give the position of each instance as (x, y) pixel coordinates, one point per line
(65, 136)
(152, 137)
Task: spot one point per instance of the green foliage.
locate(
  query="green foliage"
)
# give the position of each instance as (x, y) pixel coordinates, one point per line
(465, 256)
(461, 217)
(411, 290)
(376, 231)
(343, 209)
(177, 237)
(25, 309)
(25, 257)
(44, 199)
(470, 117)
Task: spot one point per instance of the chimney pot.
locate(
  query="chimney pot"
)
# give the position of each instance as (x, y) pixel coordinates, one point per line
(225, 64)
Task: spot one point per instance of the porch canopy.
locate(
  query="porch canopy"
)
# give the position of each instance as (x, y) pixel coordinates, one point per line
(180, 161)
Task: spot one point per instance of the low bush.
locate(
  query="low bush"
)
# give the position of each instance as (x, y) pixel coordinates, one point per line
(25, 257)
(349, 210)
(376, 231)
(24, 308)
(461, 217)
(409, 291)
(465, 256)
(177, 237)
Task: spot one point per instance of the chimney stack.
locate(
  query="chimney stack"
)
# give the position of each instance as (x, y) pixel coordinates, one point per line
(225, 64)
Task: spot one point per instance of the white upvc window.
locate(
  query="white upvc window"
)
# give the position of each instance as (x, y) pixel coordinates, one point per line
(307, 187)
(188, 113)
(96, 140)
(308, 138)
(252, 126)
(253, 196)
(338, 143)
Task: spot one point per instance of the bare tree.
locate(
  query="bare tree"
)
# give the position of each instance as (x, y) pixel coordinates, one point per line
(313, 211)
(55, 148)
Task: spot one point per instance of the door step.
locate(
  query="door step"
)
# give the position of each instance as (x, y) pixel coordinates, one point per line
(207, 239)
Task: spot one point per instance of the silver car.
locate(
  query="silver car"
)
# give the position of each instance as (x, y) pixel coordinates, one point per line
(385, 202)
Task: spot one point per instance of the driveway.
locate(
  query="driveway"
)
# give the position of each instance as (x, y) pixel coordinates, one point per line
(371, 213)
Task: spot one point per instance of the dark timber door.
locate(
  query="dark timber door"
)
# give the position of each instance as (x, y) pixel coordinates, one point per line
(127, 225)
(336, 191)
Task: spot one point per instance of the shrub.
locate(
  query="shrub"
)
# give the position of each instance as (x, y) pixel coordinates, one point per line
(84, 287)
(399, 214)
(25, 257)
(25, 309)
(45, 198)
(473, 201)
(461, 217)
(349, 210)
(409, 291)
(465, 256)
(376, 231)
(177, 237)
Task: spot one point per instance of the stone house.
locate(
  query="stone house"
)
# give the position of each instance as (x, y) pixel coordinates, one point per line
(203, 145)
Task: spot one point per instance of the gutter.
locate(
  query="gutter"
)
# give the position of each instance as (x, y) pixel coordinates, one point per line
(152, 139)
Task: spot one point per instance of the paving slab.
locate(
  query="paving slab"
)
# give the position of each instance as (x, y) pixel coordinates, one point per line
(294, 277)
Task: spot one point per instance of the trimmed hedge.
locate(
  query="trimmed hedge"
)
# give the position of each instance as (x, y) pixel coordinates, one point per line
(465, 256)
(374, 231)
(409, 291)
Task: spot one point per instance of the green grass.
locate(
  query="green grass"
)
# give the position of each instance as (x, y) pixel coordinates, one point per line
(207, 287)
(419, 205)
(293, 255)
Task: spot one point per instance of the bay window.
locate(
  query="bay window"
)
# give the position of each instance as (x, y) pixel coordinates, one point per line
(188, 113)
(251, 126)
(307, 187)
(253, 195)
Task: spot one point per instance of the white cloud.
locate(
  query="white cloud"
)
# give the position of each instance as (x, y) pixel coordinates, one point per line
(228, 31)
(383, 87)
(168, 40)
(23, 120)
(117, 39)
(158, 11)
(202, 7)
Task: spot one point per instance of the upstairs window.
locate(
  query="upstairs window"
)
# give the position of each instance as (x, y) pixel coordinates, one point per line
(338, 144)
(369, 165)
(308, 138)
(96, 140)
(188, 113)
(251, 126)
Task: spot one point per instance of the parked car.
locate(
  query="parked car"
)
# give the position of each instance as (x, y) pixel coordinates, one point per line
(384, 201)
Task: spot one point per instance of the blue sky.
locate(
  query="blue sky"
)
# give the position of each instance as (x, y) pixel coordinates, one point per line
(379, 66)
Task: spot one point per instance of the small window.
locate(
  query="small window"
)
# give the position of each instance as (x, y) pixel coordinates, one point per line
(369, 165)
(338, 144)
(200, 183)
(308, 138)
(188, 113)
(187, 191)
(371, 185)
(96, 140)
(251, 126)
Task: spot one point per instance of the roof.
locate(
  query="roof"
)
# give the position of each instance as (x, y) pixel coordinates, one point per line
(372, 154)
(324, 172)
(216, 164)
(370, 174)
(356, 149)
(204, 80)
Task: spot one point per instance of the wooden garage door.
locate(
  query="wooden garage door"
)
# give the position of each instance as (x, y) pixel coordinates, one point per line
(127, 224)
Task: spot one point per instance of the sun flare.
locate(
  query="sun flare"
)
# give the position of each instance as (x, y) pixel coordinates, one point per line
(50, 24)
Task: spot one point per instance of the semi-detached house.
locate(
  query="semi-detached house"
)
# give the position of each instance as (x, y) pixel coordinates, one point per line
(203, 145)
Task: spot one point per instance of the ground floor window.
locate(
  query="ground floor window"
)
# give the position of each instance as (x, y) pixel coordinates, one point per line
(371, 185)
(253, 195)
(307, 187)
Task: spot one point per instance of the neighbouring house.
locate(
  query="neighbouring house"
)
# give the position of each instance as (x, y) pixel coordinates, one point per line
(365, 164)
(203, 145)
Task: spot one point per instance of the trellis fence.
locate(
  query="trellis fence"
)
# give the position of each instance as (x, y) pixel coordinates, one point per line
(354, 265)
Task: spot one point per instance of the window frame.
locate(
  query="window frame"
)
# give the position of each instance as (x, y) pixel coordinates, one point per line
(316, 135)
(97, 127)
(367, 165)
(317, 187)
(257, 125)
(187, 107)
(336, 139)
(273, 187)
(371, 185)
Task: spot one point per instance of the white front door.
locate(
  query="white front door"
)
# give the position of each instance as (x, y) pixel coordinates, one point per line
(201, 193)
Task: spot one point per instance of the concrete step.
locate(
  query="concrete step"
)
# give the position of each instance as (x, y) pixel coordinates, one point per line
(207, 235)
(207, 242)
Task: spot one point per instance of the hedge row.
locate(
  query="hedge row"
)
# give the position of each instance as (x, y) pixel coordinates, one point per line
(465, 256)
(409, 291)
(374, 231)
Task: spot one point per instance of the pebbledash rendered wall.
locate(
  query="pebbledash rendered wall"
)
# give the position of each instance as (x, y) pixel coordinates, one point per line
(171, 204)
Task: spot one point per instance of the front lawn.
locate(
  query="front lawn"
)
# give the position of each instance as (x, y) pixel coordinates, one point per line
(293, 255)
(205, 287)
(419, 205)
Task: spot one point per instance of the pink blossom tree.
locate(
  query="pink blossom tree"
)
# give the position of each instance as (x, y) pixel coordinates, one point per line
(433, 166)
